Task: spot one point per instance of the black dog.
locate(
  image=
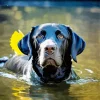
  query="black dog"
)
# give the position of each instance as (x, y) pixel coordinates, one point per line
(48, 50)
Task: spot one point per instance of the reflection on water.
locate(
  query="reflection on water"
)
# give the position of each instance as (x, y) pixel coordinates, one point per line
(17, 90)
(84, 21)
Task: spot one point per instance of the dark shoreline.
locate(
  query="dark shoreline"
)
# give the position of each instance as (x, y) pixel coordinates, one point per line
(52, 3)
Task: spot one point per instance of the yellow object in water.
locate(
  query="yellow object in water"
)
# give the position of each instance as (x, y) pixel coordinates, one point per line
(15, 38)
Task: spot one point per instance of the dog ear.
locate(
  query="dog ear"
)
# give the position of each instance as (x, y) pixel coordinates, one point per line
(32, 44)
(77, 44)
(25, 43)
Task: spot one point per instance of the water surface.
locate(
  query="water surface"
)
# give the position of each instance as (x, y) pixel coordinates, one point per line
(85, 21)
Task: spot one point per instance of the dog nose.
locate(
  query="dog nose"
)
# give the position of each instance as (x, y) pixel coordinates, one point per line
(50, 49)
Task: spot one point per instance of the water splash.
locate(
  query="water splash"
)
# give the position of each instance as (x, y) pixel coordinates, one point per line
(27, 81)
(22, 78)
(8, 75)
(81, 81)
(89, 70)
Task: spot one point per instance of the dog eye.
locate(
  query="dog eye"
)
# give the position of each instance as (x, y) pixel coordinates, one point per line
(42, 34)
(59, 35)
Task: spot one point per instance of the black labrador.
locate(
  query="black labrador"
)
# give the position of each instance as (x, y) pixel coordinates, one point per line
(48, 50)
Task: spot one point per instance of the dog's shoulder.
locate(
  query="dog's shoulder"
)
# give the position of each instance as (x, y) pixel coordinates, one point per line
(17, 64)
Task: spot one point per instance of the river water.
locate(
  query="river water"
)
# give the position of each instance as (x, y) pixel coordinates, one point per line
(85, 21)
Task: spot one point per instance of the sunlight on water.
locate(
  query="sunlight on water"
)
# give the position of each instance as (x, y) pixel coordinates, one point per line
(85, 21)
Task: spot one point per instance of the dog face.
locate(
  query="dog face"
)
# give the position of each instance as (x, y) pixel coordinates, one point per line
(48, 44)
(52, 42)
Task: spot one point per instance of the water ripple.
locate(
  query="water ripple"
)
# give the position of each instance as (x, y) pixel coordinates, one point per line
(23, 78)
(82, 81)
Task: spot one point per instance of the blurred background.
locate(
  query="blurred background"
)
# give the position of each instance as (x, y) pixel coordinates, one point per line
(82, 16)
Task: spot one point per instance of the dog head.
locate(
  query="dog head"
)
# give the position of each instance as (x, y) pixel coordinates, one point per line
(49, 43)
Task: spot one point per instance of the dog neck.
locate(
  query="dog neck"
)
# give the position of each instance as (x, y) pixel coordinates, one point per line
(62, 73)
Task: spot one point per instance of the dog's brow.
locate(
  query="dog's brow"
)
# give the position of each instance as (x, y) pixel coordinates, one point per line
(43, 32)
(57, 32)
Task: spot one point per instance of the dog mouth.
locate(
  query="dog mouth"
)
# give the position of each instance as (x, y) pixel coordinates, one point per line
(49, 67)
(49, 71)
(49, 62)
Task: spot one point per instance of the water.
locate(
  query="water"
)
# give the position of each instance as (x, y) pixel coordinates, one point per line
(85, 21)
